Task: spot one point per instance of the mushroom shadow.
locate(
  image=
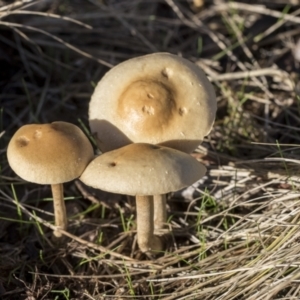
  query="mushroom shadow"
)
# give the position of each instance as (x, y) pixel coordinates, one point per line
(107, 135)
(187, 146)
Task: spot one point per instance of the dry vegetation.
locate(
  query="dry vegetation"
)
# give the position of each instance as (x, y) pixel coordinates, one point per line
(235, 234)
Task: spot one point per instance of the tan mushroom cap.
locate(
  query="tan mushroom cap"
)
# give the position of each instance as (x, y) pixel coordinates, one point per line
(142, 169)
(49, 153)
(156, 98)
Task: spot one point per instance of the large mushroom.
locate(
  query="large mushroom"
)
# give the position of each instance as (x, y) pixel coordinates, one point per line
(142, 170)
(158, 99)
(50, 154)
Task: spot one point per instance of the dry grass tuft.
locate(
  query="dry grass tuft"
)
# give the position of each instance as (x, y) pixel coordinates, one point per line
(235, 234)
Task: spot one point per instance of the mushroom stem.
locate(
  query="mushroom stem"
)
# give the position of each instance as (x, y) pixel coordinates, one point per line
(60, 214)
(145, 224)
(160, 212)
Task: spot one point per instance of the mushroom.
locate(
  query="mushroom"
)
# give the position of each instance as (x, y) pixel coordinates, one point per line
(142, 170)
(50, 154)
(158, 99)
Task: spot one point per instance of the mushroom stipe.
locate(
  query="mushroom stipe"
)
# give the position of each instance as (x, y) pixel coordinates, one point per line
(160, 211)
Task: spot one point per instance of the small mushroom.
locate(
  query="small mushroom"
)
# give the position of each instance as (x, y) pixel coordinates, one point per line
(50, 154)
(143, 170)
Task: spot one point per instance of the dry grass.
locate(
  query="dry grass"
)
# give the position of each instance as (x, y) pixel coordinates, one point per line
(235, 234)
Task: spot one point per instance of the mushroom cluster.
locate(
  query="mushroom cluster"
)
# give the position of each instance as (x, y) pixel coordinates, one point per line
(147, 115)
(158, 99)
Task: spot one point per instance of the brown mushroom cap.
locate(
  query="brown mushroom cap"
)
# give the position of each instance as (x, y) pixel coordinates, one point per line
(156, 98)
(142, 169)
(49, 153)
